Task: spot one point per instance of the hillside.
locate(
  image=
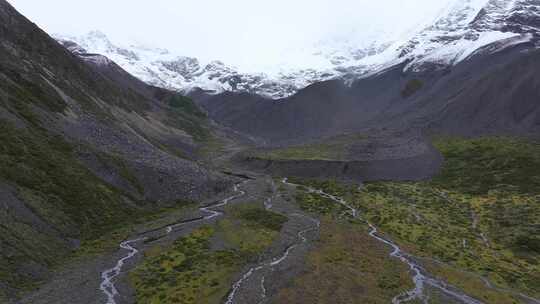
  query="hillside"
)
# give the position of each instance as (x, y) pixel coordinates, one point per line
(494, 93)
(85, 149)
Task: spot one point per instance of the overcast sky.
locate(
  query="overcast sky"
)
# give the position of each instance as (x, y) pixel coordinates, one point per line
(235, 30)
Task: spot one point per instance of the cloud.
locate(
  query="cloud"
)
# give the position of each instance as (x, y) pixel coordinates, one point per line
(242, 32)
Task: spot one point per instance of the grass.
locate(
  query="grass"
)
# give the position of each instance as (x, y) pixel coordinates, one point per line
(335, 148)
(47, 176)
(25, 91)
(315, 203)
(142, 222)
(488, 187)
(187, 272)
(57, 188)
(122, 168)
(46, 166)
(250, 228)
(192, 270)
(347, 266)
(186, 105)
(477, 166)
(470, 284)
(258, 217)
(411, 87)
(43, 170)
(185, 115)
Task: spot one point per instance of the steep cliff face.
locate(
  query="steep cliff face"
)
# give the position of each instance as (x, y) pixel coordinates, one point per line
(84, 148)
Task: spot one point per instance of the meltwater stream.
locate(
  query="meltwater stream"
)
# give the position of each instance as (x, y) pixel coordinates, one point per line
(107, 277)
(274, 262)
(420, 279)
(301, 236)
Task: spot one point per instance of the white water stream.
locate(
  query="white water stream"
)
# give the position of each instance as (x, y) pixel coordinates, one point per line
(107, 277)
(275, 261)
(420, 279)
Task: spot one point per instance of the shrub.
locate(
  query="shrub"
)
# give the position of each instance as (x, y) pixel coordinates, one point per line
(412, 86)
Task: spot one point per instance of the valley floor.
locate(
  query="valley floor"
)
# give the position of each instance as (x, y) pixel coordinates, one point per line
(450, 240)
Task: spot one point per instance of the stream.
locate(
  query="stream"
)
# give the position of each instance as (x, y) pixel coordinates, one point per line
(420, 278)
(301, 236)
(107, 285)
(269, 264)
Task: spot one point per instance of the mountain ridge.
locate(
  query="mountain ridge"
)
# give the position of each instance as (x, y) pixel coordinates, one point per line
(464, 28)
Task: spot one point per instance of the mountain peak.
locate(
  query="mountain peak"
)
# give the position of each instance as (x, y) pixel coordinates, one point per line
(459, 31)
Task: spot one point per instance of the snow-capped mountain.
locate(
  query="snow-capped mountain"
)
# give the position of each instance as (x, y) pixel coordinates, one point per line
(465, 27)
(462, 29)
(162, 68)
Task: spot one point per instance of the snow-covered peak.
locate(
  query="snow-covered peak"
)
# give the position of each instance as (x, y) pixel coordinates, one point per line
(518, 16)
(163, 68)
(462, 29)
(466, 26)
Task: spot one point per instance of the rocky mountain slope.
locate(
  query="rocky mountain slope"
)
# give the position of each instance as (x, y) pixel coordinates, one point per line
(485, 95)
(490, 88)
(84, 148)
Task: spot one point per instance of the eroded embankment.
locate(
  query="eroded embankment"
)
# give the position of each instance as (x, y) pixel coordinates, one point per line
(418, 167)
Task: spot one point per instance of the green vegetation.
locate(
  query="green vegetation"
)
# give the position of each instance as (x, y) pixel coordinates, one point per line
(412, 86)
(336, 148)
(122, 168)
(46, 166)
(45, 174)
(479, 216)
(187, 272)
(186, 105)
(315, 203)
(25, 92)
(259, 217)
(193, 270)
(477, 166)
(251, 229)
(143, 221)
(347, 266)
(434, 223)
(58, 189)
(329, 186)
(187, 116)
